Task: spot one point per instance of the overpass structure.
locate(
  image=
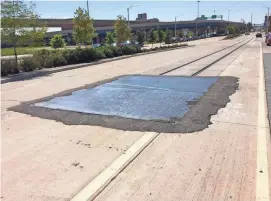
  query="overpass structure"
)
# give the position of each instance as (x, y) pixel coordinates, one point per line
(103, 26)
(67, 24)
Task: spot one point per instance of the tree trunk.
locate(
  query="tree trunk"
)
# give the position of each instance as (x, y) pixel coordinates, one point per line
(15, 54)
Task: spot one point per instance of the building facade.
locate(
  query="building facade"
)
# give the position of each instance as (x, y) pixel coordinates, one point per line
(142, 17)
(267, 22)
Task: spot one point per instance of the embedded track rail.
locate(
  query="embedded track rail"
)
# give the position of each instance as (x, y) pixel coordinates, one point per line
(238, 44)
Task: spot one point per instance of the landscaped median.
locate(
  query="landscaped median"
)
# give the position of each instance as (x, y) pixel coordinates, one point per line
(231, 36)
(45, 59)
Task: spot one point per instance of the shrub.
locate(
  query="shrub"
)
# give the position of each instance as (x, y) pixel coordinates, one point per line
(59, 60)
(138, 48)
(45, 58)
(57, 41)
(99, 55)
(89, 54)
(29, 64)
(83, 55)
(71, 56)
(116, 51)
(9, 67)
(108, 52)
(126, 50)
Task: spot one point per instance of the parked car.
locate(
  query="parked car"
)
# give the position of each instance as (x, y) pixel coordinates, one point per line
(259, 35)
(128, 43)
(213, 35)
(174, 40)
(97, 45)
(125, 43)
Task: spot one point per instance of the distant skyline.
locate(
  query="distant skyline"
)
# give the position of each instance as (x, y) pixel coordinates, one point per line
(163, 10)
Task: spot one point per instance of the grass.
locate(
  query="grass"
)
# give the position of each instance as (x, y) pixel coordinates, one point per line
(27, 50)
(20, 50)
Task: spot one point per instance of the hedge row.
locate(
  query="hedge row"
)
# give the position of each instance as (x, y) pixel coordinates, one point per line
(55, 58)
(231, 36)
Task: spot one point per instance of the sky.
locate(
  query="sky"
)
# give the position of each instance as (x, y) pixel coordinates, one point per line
(163, 10)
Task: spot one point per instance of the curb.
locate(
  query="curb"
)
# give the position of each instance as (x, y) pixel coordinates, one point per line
(12, 57)
(43, 72)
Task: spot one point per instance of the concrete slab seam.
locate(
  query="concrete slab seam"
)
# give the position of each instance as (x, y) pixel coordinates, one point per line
(98, 184)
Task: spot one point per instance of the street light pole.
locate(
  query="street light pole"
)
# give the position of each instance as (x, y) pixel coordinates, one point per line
(198, 9)
(175, 27)
(87, 7)
(229, 12)
(128, 13)
(197, 20)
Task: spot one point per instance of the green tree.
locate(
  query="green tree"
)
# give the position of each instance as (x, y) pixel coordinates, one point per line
(57, 41)
(83, 30)
(180, 34)
(167, 36)
(37, 36)
(161, 36)
(122, 30)
(19, 24)
(110, 38)
(140, 36)
(190, 34)
(237, 30)
(153, 36)
(230, 29)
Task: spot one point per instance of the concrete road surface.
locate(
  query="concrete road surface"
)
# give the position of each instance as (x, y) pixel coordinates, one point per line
(47, 160)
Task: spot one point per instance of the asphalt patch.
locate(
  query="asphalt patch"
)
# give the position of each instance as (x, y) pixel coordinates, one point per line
(137, 97)
(196, 118)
